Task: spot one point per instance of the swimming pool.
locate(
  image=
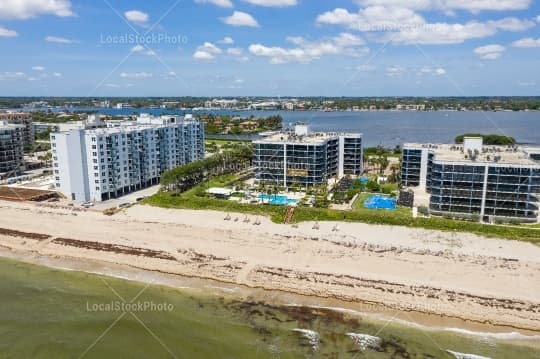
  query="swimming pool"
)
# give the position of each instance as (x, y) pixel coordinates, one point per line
(380, 202)
(279, 200)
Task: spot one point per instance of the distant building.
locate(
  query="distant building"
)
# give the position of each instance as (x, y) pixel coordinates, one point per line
(249, 125)
(96, 161)
(306, 158)
(491, 182)
(25, 119)
(11, 148)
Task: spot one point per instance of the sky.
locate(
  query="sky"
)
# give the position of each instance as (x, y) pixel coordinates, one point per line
(269, 48)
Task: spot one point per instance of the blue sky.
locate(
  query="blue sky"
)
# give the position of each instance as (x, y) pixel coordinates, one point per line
(269, 47)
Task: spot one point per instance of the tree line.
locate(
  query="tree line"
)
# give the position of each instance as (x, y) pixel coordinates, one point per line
(183, 178)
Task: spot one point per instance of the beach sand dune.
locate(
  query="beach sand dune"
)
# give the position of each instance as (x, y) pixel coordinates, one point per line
(452, 274)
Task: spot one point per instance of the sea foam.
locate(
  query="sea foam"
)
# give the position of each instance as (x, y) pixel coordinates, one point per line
(312, 337)
(466, 356)
(365, 341)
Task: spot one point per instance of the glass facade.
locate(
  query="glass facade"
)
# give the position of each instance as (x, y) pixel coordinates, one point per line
(305, 163)
(411, 165)
(353, 156)
(11, 147)
(500, 191)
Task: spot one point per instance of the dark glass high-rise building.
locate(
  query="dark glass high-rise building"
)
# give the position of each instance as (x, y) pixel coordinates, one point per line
(490, 182)
(305, 158)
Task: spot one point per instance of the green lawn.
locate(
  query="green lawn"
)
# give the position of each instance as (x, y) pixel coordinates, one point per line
(195, 199)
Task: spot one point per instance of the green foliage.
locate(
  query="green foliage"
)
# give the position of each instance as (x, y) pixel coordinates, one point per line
(224, 124)
(182, 178)
(373, 186)
(489, 139)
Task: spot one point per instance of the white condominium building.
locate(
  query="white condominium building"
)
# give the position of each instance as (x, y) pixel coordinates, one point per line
(99, 161)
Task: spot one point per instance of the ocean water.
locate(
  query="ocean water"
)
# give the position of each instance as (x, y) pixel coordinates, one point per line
(392, 128)
(50, 313)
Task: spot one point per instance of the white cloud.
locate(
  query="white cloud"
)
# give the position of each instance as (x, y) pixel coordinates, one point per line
(57, 74)
(220, 3)
(307, 51)
(512, 24)
(38, 68)
(12, 75)
(60, 40)
(170, 76)
(491, 5)
(136, 75)
(402, 25)
(207, 52)
(239, 18)
(435, 71)
(227, 41)
(490, 52)
(273, 3)
(7, 32)
(25, 9)
(448, 6)
(365, 68)
(527, 43)
(373, 18)
(439, 72)
(203, 56)
(235, 51)
(137, 17)
(142, 50)
(538, 18)
(210, 48)
(395, 71)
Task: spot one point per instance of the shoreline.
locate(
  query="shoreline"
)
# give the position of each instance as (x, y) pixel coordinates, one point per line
(212, 287)
(279, 264)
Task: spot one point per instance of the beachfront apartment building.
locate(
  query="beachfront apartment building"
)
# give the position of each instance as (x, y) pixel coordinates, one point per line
(11, 149)
(25, 119)
(493, 183)
(307, 158)
(98, 161)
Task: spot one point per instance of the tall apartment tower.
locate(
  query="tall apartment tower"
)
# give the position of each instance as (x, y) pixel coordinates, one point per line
(25, 119)
(11, 148)
(491, 182)
(98, 162)
(305, 158)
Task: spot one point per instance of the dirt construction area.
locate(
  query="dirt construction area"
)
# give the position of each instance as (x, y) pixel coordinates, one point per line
(25, 194)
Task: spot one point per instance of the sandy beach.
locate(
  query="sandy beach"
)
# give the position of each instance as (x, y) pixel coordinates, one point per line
(450, 274)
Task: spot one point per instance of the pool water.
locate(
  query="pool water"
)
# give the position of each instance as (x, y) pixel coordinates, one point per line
(380, 202)
(279, 200)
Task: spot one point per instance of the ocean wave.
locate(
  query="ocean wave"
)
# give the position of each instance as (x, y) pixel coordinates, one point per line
(365, 341)
(223, 289)
(312, 337)
(500, 336)
(378, 316)
(466, 356)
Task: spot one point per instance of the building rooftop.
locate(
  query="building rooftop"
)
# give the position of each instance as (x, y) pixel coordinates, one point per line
(4, 125)
(95, 125)
(510, 155)
(302, 135)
